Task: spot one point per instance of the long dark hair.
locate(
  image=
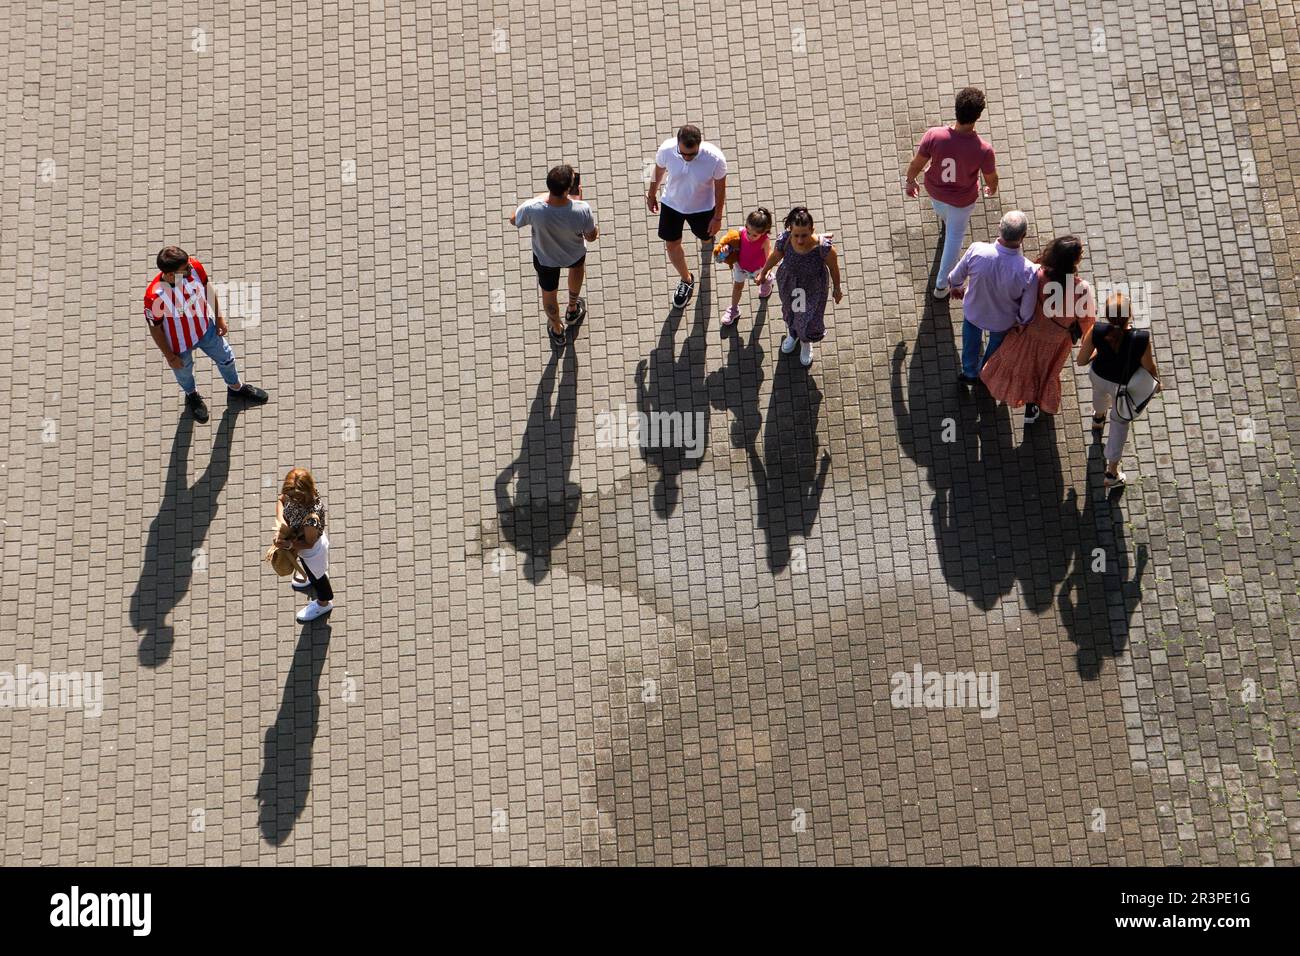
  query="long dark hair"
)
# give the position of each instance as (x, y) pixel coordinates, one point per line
(1060, 258)
(799, 216)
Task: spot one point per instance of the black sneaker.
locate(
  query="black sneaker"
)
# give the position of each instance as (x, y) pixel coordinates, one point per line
(967, 379)
(1031, 413)
(573, 317)
(683, 294)
(198, 408)
(249, 393)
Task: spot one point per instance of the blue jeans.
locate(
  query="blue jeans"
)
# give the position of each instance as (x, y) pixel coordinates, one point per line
(218, 349)
(972, 341)
(955, 219)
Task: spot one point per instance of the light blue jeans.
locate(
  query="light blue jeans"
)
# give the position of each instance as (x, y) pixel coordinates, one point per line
(955, 219)
(216, 348)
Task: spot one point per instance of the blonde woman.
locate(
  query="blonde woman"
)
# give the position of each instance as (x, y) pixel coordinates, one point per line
(301, 516)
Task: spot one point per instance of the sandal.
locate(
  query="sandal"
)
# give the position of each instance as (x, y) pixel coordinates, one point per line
(558, 339)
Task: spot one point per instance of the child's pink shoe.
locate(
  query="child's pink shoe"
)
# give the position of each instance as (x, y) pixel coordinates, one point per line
(765, 288)
(731, 315)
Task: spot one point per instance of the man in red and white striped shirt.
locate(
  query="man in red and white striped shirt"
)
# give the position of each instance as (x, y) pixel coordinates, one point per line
(183, 313)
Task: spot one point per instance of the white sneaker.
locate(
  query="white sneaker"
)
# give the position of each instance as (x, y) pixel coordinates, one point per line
(805, 355)
(1117, 480)
(941, 292)
(788, 344)
(312, 611)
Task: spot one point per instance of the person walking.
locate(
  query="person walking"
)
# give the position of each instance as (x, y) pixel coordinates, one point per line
(746, 251)
(1113, 353)
(993, 281)
(300, 514)
(562, 226)
(808, 267)
(183, 313)
(1026, 370)
(695, 193)
(953, 158)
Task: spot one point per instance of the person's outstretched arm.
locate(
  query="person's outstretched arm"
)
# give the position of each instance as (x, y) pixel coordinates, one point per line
(776, 256)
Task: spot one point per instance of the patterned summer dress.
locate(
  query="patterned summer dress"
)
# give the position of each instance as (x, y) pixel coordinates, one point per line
(1027, 365)
(805, 271)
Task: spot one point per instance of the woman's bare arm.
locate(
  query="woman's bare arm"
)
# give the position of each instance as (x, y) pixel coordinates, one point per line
(776, 256)
(1086, 348)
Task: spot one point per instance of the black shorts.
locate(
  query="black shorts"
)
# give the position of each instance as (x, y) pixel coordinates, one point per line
(548, 277)
(670, 223)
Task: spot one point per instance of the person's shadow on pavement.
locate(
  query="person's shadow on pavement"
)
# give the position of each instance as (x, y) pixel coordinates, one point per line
(286, 770)
(1100, 596)
(790, 478)
(735, 386)
(1001, 513)
(545, 503)
(176, 534)
(677, 391)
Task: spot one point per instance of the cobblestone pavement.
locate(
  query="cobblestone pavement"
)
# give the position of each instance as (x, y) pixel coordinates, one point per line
(553, 648)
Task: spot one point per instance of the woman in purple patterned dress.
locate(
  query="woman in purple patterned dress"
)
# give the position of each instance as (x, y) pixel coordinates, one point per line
(808, 268)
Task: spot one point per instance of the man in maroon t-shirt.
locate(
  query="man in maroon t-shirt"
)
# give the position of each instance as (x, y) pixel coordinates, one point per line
(956, 156)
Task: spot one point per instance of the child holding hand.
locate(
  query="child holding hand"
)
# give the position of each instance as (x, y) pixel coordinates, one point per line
(746, 251)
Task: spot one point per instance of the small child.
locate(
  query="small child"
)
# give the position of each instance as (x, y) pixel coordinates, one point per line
(746, 250)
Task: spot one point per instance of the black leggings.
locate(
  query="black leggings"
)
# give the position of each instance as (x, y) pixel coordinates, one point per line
(322, 584)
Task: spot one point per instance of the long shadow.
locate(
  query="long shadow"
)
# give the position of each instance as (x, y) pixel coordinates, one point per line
(178, 530)
(677, 388)
(734, 387)
(790, 478)
(1000, 513)
(1102, 593)
(542, 510)
(286, 770)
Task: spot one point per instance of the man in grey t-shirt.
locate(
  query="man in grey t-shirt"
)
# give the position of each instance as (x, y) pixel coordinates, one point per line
(562, 226)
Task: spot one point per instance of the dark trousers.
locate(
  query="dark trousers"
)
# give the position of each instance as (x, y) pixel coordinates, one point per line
(320, 586)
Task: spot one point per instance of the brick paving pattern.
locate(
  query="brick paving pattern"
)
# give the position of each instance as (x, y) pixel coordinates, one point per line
(552, 647)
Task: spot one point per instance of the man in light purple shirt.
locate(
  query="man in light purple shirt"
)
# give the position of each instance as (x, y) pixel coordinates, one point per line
(994, 280)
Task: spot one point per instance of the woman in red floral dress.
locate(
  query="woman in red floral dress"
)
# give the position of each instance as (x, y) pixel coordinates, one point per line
(1026, 369)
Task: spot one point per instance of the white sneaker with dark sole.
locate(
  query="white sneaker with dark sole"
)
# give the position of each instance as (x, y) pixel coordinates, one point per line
(941, 292)
(788, 344)
(299, 584)
(312, 611)
(1117, 480)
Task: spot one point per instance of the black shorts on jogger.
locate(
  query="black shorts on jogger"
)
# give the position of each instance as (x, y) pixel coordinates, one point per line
(548, 277)
(671, 221)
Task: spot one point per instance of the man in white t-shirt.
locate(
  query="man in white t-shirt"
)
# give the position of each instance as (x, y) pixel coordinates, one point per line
(696, 191)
